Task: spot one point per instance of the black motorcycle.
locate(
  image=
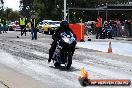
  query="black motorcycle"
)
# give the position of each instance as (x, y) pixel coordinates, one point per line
(109, 33)
(106, 33)
(103, 34)
(64, 50)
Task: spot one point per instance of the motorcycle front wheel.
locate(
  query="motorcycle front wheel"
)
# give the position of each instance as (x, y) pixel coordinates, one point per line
(56, 64)
(68, 60)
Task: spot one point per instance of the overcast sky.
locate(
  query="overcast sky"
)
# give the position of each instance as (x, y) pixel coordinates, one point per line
(14, 4)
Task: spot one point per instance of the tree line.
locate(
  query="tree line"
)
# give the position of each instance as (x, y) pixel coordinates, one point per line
(53, 9)
(8, 13)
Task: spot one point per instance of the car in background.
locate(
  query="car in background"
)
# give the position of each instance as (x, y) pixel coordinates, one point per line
(14, 26)
(57, 23)
(50, 27)
(28, 26)
(11, 26)
(46, 21)
(40, 25)
(17, 26)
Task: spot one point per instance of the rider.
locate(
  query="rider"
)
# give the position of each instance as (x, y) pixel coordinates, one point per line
(64, 26)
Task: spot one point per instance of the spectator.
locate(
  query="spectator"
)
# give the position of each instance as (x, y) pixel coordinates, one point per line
(34, 28)
(92, 28)
(22, 23)
(123, 31)
(86, 29)
(99, 26)
(119, 27)
(114, 29)
(89, 27)
(129, 28)
(4, 26)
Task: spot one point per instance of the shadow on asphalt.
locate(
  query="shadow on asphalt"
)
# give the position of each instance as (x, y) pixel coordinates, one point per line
(86, 50)
(63, 68)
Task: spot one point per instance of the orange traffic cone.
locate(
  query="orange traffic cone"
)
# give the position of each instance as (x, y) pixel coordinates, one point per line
(84, 73)
(110, 48)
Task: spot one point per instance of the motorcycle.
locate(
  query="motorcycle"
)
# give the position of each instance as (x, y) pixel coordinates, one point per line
(103, 34)
(64, 50)
(106, 33)
(109, 33)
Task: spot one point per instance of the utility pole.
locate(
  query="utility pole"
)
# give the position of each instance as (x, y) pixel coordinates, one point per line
(68, 15)
(64, 9)
(106, 12)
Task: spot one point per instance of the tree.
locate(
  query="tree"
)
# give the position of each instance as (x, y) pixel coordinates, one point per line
(1, 4)
(53, 9)
(9, 14)
(27, 7)
(14, 15)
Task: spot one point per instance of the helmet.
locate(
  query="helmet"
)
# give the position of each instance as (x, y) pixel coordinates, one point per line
(64, 24)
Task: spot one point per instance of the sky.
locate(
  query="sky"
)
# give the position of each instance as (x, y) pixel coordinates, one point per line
(14, 4)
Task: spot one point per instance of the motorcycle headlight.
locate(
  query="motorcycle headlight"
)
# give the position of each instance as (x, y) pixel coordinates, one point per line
(73, 39)
(66, 40)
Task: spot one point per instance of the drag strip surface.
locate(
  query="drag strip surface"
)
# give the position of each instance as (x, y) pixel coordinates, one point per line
(30, 58)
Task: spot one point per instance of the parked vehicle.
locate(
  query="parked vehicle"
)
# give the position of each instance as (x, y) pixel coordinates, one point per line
(51, 26)
(28, 27)
(11, 26)
(14, 26)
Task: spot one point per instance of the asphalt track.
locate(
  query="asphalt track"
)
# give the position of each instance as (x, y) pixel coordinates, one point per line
(29, 57)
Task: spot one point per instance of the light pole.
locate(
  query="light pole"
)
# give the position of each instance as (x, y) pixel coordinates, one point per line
(64, 9)
(68, 15)
(106, 18)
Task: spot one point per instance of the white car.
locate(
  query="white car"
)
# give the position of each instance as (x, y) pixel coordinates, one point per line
(57, 23)
(45, 21)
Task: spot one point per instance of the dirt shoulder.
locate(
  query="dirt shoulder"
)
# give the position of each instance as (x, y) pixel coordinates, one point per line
(12, 79)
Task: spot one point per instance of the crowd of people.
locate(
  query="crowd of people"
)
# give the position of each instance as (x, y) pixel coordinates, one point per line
(118, 28)
(121, 28)
(23, 21)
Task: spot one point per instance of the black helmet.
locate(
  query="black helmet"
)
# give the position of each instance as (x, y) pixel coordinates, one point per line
(64, 24)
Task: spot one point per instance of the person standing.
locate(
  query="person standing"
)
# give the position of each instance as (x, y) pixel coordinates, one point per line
(86, 29)
(22, 23)
(128, 23)
(119, 27)
(4, 26)
(99, 26)
(34, 27)
(114, 29)
(24, 30)
(92, 28)
(89, 28)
